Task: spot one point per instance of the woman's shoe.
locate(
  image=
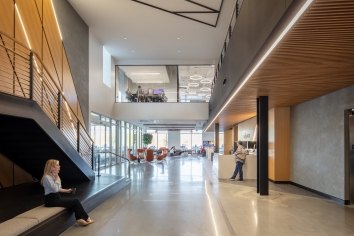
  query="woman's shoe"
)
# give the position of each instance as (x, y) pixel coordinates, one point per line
(82, 222)
(89, 221)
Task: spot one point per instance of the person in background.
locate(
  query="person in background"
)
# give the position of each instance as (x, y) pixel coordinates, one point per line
(52, 189)
(240, 158)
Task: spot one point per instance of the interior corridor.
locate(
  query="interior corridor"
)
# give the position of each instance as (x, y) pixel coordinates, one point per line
(183, 197)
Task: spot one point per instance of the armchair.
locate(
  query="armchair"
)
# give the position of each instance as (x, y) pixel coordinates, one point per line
(131, 156)
(149, 155)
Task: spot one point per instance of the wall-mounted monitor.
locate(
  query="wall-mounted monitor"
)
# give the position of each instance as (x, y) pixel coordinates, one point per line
(158, 91)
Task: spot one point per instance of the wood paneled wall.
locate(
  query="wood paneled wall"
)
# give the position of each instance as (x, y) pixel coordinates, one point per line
(44, 39)
(228, 141)
(279, 144)
(11, 174)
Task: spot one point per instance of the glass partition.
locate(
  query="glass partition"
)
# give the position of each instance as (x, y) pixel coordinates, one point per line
(166, 83)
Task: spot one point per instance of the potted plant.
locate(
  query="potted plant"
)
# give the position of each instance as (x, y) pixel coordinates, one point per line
(147, 139)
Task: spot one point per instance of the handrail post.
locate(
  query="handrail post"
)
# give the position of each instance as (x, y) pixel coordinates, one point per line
(31, 75)
(59, 110)
(92, 157)
(237, 9)
(78, 135)
(99, 164)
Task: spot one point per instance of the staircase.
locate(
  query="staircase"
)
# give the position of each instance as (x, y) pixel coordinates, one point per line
(36, 121)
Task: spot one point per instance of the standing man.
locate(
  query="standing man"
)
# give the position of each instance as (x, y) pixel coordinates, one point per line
(240, 158)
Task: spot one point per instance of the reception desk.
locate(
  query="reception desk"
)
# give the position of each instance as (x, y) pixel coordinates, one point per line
(226, 166)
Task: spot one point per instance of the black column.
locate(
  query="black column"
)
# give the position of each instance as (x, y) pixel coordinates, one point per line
(216, 135)
(263, 145)
(258, 157)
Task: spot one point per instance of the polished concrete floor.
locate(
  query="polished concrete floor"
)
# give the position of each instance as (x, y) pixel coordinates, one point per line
(183, 197)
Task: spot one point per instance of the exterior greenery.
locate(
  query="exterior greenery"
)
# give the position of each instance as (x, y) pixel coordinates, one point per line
(147, 139)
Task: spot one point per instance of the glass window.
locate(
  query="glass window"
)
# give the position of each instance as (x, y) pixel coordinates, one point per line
(221, 142)
(162, 139)
(153, 144)
(122, 135)
(186, 139)
(106, 67)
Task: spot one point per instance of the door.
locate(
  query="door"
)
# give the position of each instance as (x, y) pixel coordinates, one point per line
(351, 155)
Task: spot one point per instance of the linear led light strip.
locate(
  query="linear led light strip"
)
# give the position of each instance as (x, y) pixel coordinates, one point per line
(56, 20)
(276, 42)
(26, 36)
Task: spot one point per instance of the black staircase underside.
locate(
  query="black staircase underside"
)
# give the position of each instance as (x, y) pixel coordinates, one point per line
(29, 139)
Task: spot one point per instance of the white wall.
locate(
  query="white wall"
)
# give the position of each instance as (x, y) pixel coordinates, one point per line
(208, 136)
(246, 130)
(101, 99)
(174, 139)
(163, 111)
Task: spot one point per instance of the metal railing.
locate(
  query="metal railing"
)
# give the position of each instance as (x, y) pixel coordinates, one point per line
(23, 74)
(122, 160)
(230, 30)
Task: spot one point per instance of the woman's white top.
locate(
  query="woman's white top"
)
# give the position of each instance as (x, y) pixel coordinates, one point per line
(50, 185)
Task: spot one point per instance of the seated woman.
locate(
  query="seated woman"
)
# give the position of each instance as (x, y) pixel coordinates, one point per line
(52, 189)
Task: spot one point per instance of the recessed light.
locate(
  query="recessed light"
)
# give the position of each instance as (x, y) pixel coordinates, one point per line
(193, 84)
(195, 77)
(145, 73)
(205, 81)
(125, 38)
(205, 89)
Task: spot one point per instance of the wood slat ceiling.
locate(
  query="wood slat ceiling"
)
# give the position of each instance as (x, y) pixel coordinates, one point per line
(314, 59)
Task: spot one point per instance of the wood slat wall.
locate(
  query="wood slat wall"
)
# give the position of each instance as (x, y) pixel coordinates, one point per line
(40, 24)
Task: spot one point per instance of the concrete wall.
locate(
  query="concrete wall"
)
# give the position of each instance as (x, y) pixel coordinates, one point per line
(318, 142)
(75, 35)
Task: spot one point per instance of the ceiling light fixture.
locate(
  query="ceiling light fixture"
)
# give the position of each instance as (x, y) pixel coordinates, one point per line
(205, 81)
(195, 77)
(145, 73)
(205, 89)
(193, 85)
(270, 49)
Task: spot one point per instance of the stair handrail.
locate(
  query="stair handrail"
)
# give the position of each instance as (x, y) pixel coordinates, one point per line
(43, 73)
(232, 23)
(117, 155)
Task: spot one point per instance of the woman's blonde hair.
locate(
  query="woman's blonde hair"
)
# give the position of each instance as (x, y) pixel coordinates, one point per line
(48, 167)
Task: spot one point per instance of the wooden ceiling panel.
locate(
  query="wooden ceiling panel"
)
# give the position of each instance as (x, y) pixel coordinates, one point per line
(315, 58)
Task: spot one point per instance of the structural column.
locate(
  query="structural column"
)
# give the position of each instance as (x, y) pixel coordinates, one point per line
(258, 157)
(262, 115)
(216, 137)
